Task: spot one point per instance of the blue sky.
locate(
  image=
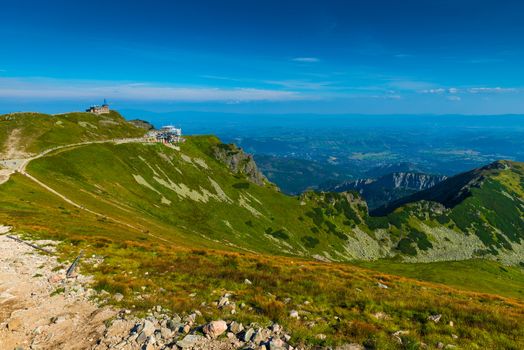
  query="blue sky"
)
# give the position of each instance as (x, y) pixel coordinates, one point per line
(252, 56)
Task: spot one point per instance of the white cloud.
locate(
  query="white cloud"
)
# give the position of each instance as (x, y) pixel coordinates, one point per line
(305, 59)
(470, 90)
(52, 89)
(477, 90)
(454, 98)
(433, 91)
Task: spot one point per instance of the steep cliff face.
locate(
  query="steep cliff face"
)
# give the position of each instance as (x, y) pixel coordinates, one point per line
(240, 163)
(390, 187)
(451, 191)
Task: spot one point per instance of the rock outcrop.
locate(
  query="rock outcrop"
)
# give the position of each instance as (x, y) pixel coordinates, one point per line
(239, 162)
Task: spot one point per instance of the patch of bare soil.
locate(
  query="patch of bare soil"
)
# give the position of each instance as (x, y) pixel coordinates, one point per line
(13, 147)
(39, 307)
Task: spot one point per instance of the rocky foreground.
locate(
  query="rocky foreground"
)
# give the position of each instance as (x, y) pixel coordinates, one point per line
(42, 309)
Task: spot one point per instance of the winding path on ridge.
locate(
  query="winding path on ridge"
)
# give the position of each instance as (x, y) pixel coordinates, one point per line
(11, 166)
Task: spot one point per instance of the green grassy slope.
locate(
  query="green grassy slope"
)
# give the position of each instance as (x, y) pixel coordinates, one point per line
(489, 217)
(191, 193)
(188, 190)
(35, 132)
(474, 275)
(149, 271)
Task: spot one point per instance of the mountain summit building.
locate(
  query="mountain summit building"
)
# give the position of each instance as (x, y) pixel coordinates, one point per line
(167, 134)
(96, 109)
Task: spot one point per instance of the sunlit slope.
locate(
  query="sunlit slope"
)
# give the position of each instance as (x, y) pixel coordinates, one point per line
(31, 133)
(344, 301)
(189, 190)
(476, 214)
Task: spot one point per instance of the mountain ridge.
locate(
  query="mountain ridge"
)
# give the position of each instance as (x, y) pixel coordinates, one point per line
(389, 187)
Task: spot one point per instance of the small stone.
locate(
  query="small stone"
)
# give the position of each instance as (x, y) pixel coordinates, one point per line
(149, 344)
(186, 329)
(148, 328)
(293, 314)
(435, 318)
(142, 337)
(440, 345)
(248, 282)
(189, 341)
(454, 336)
(173, 325)
(380, 315)
(248, 334)
(230, 335)
(236, 327)
(166, 333)
(276, 344)
(320, 336)
(118, 297)
(215, 328)
(382, 285)
(260, 336)
(276, 328)
(223, 302)
(287, 337)
(451, 323)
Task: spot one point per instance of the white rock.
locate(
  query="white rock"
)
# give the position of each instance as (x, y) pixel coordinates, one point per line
(223, 301)
(382, 285)
(435, 318)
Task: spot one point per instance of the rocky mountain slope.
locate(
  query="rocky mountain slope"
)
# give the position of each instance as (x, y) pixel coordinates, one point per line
(389, 187)
(184, 225)
(212, 194)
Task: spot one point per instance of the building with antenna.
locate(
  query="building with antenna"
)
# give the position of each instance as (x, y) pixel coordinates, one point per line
(96, 109)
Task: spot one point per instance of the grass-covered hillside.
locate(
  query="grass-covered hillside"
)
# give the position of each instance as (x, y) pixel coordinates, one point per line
(480, 213)
(213, 195)
(189, 194)
(181, 226)
(340, 301)
(30, 133)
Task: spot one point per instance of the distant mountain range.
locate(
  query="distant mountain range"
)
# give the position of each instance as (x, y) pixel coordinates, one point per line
(390, 187)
